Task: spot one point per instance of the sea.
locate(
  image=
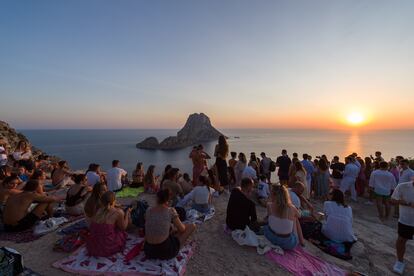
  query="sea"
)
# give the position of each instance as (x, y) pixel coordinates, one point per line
(82, 147)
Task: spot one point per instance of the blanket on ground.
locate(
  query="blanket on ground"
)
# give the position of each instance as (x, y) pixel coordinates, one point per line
(80, 263)
(129, 192)
(301, 263)
(28, 235)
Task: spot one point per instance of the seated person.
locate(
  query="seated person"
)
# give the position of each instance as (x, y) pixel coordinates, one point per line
(338, 215)
(150, 180)
(241, 210)
(77, 195)
(283, 228)
(16, 215)
(7, 189)
(298, 200)
(186, 183)
(170, 183)
(40, 176)
(22, 173)
(93, 203)
(61, 175)
(93, 174)
(263, 191)
(201, 195)
(138, 176)
(161, 242)
(107, 228)
(250, 172)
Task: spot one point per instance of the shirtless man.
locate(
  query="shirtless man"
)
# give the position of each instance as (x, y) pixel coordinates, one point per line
(8, 188)
(16, 215)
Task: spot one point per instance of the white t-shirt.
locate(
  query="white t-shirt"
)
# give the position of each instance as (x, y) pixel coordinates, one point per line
(17, 155)
(114, 178)
(338, 226)
(3, 157)
(294, 198)
(263, 189)
(92, 178)
(382, 181)
(249, 172)
(405, 191)
(406, 175)
(351, 171)
(200, 195)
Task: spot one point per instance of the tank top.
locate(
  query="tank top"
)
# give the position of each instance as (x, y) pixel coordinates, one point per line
(282, 226)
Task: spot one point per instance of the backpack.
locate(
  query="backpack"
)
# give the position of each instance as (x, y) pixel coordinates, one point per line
(138, 213)
(11, 262)
(272, 166)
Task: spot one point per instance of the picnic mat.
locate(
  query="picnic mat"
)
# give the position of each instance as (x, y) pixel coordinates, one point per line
(129, 192)
(301, 263)
(28, 235)
(28, 272)
(80, 263)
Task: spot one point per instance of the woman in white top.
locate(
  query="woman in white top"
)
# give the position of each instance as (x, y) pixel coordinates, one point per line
(201, 195)
(283, 227)
(93, 174)
(22, 152)
(338, 215)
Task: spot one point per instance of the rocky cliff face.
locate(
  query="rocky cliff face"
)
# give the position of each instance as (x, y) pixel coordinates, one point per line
(12, 137)
(197, 129)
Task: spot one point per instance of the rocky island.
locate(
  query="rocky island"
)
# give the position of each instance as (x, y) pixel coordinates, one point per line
(197, 129)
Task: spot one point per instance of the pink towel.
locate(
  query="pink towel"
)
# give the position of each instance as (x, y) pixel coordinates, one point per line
(301, 263)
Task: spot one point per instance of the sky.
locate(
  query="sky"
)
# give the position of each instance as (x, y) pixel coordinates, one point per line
(246, 64)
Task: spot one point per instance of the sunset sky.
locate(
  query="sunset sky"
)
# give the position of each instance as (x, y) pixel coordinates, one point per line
(246, 64)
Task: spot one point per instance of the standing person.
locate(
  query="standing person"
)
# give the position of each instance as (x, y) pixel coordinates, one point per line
(310, 169)
(403, 196)
(115, 177)
(283, 162)
(138, 176)
(198, 157)
(265, 165)
(382, 182)
(254, 163)
(232, 165)
(361, 180)
(406, 174)
(337, 168)
(368, 170)
(349, 177)
(239, 168)
(300, 175)
(378, 157)
(292, 171)
(322, 180)
(221, 152)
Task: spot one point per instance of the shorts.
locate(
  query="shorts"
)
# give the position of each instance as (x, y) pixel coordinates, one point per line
(382, 196)
(405, 231)
(166, 250)
(287, 243)
(25, 223)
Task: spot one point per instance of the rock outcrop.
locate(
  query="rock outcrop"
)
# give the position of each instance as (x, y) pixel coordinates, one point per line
(197, 129)
(11, 137)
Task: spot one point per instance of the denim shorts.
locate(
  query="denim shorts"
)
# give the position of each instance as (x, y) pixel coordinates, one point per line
(289, 242)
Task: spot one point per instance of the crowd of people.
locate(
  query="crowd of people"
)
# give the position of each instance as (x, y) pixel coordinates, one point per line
(31, 187)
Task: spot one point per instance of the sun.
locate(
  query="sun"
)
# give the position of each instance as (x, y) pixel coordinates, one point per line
(355, 118)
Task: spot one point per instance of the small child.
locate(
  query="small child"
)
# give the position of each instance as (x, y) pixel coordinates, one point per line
(263, 191)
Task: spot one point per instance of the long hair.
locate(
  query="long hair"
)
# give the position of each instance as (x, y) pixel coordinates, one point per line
(139, 166)
(242, 158)
(149, 176)
(338, 197)
(299, 166)
(223, 147)
(107, 199)
(93, 203)
(323, 166)
(281, 201)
